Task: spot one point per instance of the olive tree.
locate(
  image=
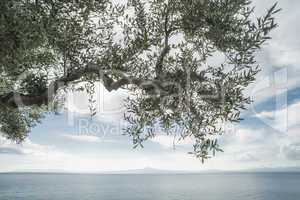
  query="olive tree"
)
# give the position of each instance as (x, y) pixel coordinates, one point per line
(160, 51)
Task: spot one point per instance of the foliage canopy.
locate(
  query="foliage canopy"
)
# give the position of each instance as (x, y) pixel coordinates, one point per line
(159, 50)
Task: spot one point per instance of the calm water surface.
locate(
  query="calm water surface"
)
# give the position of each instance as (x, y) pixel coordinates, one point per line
(266, 186)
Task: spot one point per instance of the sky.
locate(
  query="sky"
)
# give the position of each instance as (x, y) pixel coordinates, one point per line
(269, 137)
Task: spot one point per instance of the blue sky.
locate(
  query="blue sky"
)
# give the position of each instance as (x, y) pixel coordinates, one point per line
(268, 137)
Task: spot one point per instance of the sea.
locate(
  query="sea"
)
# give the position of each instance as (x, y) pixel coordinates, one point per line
(228, 186)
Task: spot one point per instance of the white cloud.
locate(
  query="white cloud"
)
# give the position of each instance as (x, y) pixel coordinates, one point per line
(26, 148)
(109, 105)
(291, 151)
(82, 138)
(283, 119)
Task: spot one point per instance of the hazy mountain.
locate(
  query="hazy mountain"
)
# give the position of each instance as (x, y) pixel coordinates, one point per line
(149, 170)
(275, 169)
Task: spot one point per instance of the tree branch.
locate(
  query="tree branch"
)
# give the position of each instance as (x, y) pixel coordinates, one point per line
(166, 49)
(16, 99)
